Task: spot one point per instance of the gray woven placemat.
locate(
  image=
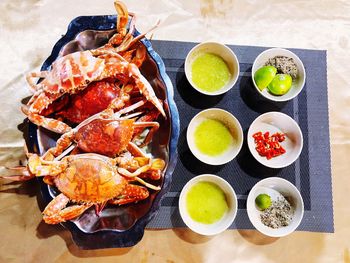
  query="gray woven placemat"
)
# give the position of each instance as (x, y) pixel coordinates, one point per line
(311, 173)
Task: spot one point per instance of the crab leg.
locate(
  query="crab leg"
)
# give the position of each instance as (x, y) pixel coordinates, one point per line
(57, 212)
(30, 79)
(145, 88)
(132, 193)
(131, 116)
(135, 150)
(152, 124)
(139, 171)
(129, 41)
(37, 106)
(18, 174)
(133, 71)
(125, 39)
(122, 17)
(122, 22)
(62, 143)
(41, 167)
(150, 186)
(127, 109)
(36, 167)
(152, 174)
(155, 164)
(65, 152)
(122, 37)
(48, 123)
(140, 55)
(135, 56)
(99, 208)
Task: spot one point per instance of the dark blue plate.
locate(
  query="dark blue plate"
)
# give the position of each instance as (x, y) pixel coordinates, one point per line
(116, 226)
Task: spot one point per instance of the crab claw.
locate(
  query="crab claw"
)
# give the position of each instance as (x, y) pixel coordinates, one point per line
(122, 18)
(57, 212)
(145, 88)
(132, 193)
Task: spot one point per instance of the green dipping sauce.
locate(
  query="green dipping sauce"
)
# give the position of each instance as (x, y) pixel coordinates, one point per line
(210, 72)
(212, 137)
(206, 202)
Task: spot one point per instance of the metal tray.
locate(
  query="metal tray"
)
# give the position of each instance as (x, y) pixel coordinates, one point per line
(116, 226)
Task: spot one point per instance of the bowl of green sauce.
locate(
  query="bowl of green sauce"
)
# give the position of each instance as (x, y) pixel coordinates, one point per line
(208, 204)
(211, 68)
(214, 136)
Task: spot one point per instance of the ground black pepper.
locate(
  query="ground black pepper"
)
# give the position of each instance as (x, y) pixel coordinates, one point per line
(284, 65)
(279, 214)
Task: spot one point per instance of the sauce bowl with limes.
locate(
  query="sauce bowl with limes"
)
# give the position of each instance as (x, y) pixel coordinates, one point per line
(265, 77)
(275, 187)
(214, 136)
(208, 204)
(211, 68)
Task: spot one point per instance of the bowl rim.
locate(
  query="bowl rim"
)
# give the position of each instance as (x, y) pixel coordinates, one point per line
(267, 164)
(228, 85)
(274, 181)
(275, 97)
(194, 151)
(204, 178)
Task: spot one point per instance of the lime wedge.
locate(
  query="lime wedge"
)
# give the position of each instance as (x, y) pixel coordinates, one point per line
(263, 201)
(280, 84)
(264, 75)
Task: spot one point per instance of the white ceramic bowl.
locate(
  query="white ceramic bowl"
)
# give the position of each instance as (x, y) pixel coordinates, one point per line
(220, 50)
(277, 122)
(275, 186)
(219, 226)
(297, 84)
(230, 122)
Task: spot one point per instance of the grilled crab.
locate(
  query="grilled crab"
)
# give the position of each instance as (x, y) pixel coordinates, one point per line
(108, 133)
(74, 72)
(89, 179)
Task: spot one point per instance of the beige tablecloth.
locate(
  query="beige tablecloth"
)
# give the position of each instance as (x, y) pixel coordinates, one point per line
(28, 31)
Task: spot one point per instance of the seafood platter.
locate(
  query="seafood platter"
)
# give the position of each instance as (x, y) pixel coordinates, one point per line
(103, 127)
